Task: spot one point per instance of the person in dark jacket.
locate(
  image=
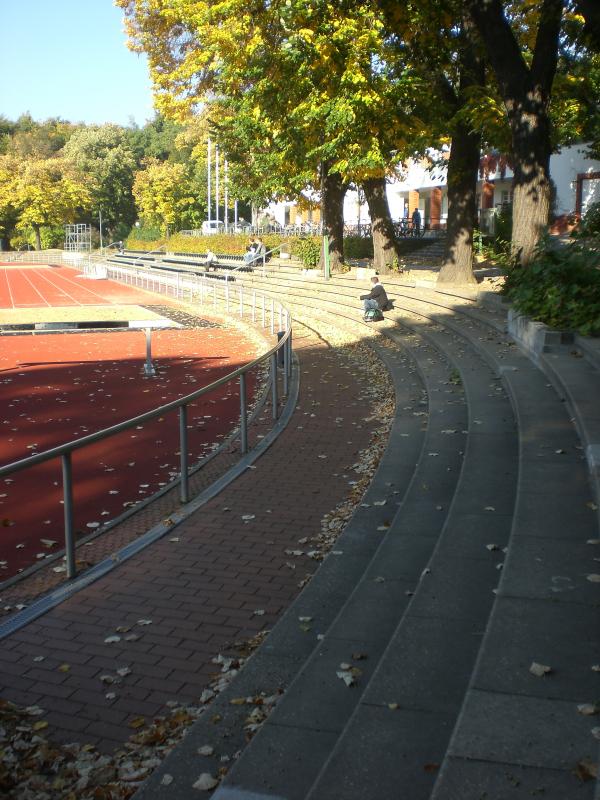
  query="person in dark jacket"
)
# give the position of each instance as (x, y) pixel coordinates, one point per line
(416, 222)
(377, 297)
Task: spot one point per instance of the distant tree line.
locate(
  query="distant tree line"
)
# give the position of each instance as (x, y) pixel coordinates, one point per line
(55, 172)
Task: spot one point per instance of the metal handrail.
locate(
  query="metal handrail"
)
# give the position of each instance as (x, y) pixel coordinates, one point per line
(66, 450)
(150, 253)
(263, 257)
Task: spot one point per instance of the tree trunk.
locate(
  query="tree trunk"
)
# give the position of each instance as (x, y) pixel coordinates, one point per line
(462, 185)
(532, 191)
(462, 171)
(38, 238)
(333, 191)
(385, 248)
(525, 88)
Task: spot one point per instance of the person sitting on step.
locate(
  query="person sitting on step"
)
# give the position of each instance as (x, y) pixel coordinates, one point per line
(377, 297)
(210, 261)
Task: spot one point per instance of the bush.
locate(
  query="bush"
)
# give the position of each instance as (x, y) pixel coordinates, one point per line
(590, 224)
(503, 223)
(309, 251)
(561, 287)
(358, 247)
(146, 233)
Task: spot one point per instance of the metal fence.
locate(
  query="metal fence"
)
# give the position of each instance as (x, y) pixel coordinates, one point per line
(223, 293)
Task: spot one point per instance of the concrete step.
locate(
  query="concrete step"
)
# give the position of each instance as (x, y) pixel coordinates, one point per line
(445, 705)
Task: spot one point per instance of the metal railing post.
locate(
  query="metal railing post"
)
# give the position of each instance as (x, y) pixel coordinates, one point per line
(290, 353)
(274, 384)
(272, 315)
(184, 493)
(286, 356)
(67, 476)
(243, 416)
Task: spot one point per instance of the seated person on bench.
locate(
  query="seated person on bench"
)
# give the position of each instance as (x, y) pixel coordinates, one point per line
(210, 261)
(251, 250)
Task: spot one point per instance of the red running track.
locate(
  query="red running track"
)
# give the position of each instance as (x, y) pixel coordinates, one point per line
(55, 388)
(45, 286)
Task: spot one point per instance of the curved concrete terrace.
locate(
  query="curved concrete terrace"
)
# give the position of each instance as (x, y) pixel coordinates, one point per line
(404, 665)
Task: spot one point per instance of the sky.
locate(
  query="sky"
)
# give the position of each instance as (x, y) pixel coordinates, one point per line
(68, 59)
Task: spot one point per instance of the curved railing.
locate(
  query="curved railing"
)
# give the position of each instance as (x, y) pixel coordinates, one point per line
(200, 288)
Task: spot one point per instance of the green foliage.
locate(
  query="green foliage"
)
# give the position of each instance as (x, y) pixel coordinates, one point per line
(560, 287)
(590, 224)
(145, 233)
(102, 155)
(309, 250)
(503, 227)
(358, 247)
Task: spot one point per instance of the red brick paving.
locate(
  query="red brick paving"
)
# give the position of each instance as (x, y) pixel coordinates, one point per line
(200, 592)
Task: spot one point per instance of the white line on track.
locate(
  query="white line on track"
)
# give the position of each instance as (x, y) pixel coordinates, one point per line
(103, 300)
(57, 286)
(35, 289)
(10, 294)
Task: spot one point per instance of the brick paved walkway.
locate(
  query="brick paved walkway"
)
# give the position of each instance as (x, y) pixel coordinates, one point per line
(195, 592)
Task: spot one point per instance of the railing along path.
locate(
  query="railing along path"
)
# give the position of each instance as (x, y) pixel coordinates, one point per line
(202, 288)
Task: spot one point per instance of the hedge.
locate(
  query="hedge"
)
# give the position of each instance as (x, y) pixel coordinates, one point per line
(226, 244)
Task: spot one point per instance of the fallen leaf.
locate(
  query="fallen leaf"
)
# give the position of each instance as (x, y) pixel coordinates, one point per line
(586, 770)
(205, 782)
(594, 578)
(138, 722)
(166, 779)
(64, 668)
(206, 750)
(539, 670)
(588, 709)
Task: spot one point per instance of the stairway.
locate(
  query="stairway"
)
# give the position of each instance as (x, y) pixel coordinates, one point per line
(471, 559)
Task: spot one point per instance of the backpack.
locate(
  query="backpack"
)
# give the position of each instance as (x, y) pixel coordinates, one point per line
(373, 315)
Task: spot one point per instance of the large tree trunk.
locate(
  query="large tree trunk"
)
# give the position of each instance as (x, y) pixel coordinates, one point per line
(462, 172)
(385, 248)
(38, 238)
(462, 184)
(333, 191)
(530, 128)
(525, 88)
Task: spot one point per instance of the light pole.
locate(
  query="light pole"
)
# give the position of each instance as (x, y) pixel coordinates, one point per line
(101, 242)
(209, 165)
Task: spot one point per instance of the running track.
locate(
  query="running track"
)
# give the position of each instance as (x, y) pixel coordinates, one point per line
(57, 387)
(46, 286)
